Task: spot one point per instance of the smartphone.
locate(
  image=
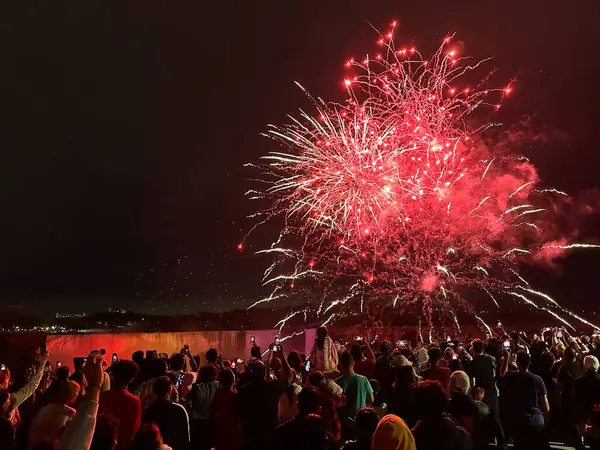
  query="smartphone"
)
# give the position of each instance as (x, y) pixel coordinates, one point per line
(277, 339)
(58, 364)
(179, 381)
(275, 347)
(253, 340)
(506, 345)
(240, 361)
(2, 366)
(233, 364)
(42, 348)
(559, 333)
(47, 368)
(186, 348)
(401, 343)
(454, 356)
(359, 338)
(115, 358)
(307, 366)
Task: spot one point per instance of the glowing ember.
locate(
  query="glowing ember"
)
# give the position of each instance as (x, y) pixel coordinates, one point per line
(393, 197)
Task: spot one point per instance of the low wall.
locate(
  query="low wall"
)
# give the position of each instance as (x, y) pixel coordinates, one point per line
(230, 344)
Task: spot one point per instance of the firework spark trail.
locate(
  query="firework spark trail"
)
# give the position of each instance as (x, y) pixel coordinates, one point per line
(393, 197)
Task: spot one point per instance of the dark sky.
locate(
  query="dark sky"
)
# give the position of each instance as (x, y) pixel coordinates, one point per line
(123, 131)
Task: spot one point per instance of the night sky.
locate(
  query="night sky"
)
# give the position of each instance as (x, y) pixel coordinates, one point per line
(124, 131)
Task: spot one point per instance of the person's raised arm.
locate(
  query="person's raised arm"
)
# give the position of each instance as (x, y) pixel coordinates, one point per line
(32, 384)
(80, 431)
(286, 369)
(192, 361)
(369, 351)
(505, 362)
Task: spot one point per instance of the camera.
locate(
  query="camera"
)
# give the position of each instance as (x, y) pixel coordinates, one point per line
(506, 345)
(115, 358)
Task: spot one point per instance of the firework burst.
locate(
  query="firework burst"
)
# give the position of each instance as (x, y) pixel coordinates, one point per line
(393, 197)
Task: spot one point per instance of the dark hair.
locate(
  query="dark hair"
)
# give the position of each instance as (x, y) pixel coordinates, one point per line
(431, 400)
(366, 422)
(257, 370)
(105, 433)
(211, 355)
(523, 360)
(356, 352)
(478, 346)
(308, 401)
(255, 352)
(62, 373)
(404, 378)
(123, 372)
(208, 373)
(148, 438)
(226, 379)
(435, 355)
(294, 360)
(4, 396)
(321, 335)
(137, 356)
(158, 368)
(346, 360)
(303, 357)
(177, 362)
(385, 347)
(161, 386)
(315, 378)
(454, 365)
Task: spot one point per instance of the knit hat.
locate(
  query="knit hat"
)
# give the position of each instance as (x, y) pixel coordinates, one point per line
(459, 382)
(590, 362)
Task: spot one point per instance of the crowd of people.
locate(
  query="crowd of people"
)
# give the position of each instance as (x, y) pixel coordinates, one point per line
(359, 395)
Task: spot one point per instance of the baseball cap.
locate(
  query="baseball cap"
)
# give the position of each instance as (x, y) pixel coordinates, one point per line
(459, 382)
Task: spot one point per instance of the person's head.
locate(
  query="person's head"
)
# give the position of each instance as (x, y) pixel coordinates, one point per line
(455, 364)
(356, 352)
(162, 388)
(208, 374)
(105, 433)
(275, 365)
(148, 438)
(257, 371)
(585, 339)
(158, 368)
(177, 362)
(405, 377)
(346, 362)
(62, 373)
(366, 423)
(386, 348)
(308, 401)
(226, 379)
(523, 360)
(459, 382)
(123, 372)
(478, 393)
(478, 346)
(431, 400)
(590, 362)
(316, 378)
(435, 356)
(255, 352)
(4, 379)
(211, 356)
(570, 354)
(322, 333)
(448, 353)
(392, 434)
(137, 357)
(294, 360)
(67, 392)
